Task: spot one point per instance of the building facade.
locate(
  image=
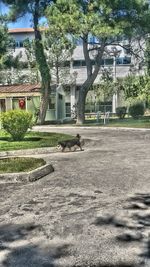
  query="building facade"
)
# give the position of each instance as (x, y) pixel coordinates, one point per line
(62, 104)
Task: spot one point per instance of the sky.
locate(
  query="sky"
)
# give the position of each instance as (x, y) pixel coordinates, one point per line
(24, 22)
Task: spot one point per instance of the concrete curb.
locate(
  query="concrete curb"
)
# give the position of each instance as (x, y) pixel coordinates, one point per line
(25, 152)
(27, 176)
(49, 127)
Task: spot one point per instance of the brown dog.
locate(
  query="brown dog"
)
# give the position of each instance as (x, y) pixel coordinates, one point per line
(71, 143)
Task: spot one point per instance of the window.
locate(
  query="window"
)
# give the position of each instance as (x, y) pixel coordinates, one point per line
(19, 102)
(60, 96)
(123, 60)
(67, 64)
(68, 109)
(51, 103)
(21, 43)
(76, 63)
(108, 61)
(17, 44)
(83, 63)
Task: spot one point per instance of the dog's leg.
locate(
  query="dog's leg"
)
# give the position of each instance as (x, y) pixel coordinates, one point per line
(75, 148)
(63, 149)
(81, 148)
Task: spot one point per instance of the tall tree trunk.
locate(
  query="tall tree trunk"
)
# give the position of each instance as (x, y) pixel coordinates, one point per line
(91, 76)
(82, 96)
(43, 67)
(45, 80)
(81, 107)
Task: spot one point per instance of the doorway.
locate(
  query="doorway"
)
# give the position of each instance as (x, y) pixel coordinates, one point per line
(2, 105)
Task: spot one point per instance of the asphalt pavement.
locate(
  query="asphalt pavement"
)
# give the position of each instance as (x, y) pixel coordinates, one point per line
(93, 210)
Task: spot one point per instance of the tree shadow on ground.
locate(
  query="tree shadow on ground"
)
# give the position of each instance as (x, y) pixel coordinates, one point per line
(19, 252)
(135, 227)
(142, 203)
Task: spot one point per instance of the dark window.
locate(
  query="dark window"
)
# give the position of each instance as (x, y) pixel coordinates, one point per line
(127, 60)
(76, 63)
(92, 40)
(108, 61)
(67, 64)
(68, 109)
(123, 60)
(21, 43)
(79, 63)
(83, 63)
(51, 103)
(101, 62)
(17, 44)
(60, 96)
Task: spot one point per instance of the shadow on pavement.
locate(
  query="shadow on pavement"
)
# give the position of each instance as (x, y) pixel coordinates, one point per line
(18, 252)
(135, 226)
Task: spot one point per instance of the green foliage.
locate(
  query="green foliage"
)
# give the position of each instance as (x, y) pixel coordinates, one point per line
(12, 165)
(147, 55)
(136, 88)
(9, 61)
(36, 8)
(136, 110)
(100, 18)
(16, 123)
(59, 52)
(31, 140)
(105, 89)
(4, 40)
(121, 112)
(21, 7)
(105, 20)
(131, 86)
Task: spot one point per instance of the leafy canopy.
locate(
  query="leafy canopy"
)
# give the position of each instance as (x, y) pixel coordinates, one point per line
(4, 37)
(19, 8)
(101, 18)
(136, 88)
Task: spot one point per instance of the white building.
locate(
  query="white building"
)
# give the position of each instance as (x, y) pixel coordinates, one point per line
(120, 65)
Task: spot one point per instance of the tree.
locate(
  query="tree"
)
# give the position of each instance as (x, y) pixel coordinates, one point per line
(103, 90)
(5, 46)
(147, 55)
(36, 8)
(104, 20)
(59, 51)
(4, 38)
(106, 87)
(137, 88)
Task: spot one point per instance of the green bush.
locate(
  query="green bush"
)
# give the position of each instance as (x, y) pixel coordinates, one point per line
(136, 110)
(121, 112)
(16, 123)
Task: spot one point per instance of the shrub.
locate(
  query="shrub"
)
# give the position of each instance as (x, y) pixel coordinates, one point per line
(136, 110)
(16, 123)
(121, 112)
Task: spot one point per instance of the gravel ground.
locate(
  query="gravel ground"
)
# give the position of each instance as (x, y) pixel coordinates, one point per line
(94, 210)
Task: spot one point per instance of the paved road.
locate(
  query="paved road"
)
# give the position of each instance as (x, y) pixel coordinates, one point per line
(94, 210)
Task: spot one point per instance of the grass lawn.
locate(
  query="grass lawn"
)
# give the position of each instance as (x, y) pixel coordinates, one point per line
(127, 122)
(31, 140)
(12, 165)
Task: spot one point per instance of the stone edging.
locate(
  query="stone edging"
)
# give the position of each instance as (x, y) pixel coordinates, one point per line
(27, 176)
(25, 152)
